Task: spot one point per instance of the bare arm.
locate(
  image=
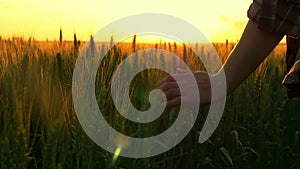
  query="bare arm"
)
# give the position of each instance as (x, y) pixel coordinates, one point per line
(253, 47)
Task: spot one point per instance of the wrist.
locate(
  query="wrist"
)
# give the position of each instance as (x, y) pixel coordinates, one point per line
(221, 79)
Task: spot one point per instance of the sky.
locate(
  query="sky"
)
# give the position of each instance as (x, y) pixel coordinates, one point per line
(217, 19)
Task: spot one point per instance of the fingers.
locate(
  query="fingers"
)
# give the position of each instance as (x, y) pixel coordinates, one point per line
(172, 92)
(170, 89)
(175, 92)
(167, 86)
(164, 80)
(179, 77)
(174, 102)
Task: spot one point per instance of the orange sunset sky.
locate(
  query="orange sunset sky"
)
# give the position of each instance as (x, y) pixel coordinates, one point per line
(42, 19)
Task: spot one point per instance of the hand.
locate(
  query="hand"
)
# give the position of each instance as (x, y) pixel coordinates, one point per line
(172, 90)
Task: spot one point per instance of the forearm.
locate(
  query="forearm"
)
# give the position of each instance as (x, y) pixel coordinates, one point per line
(254, 46)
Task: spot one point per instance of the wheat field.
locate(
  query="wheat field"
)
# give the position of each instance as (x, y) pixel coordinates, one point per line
(39, 128)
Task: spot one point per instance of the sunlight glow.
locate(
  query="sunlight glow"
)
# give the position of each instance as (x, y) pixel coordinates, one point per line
(218, 19)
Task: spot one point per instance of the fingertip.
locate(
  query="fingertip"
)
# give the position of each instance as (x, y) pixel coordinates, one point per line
(164, 80)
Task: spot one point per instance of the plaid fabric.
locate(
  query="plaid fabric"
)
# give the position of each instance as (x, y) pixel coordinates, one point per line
(281, 16)
(292, 79)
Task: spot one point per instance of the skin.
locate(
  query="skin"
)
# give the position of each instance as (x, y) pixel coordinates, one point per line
(254, 46)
